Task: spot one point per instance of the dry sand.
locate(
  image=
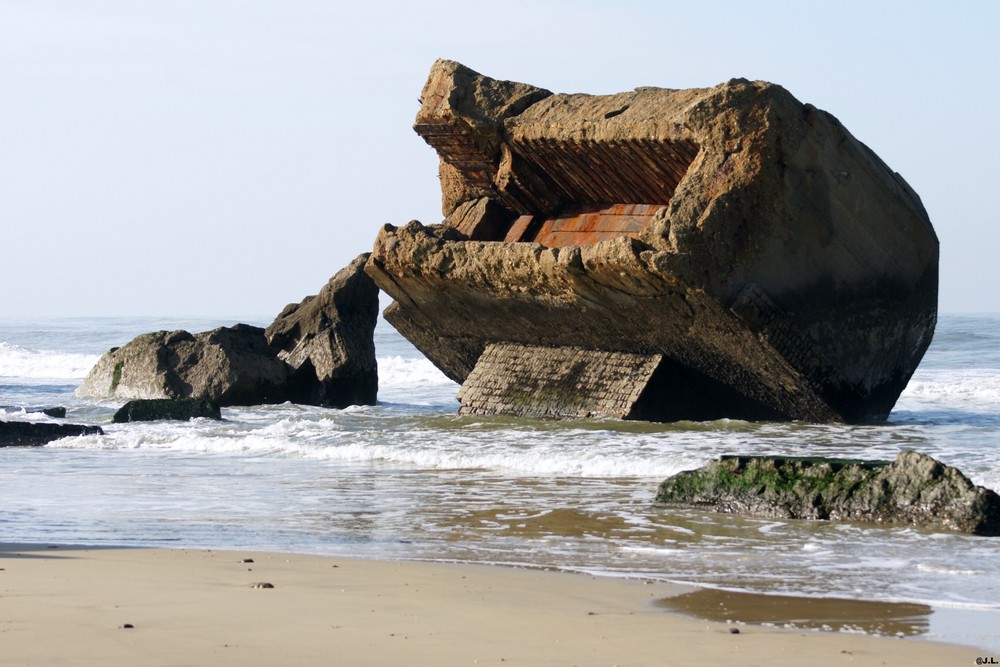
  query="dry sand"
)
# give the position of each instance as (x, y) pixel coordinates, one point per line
(79, 606)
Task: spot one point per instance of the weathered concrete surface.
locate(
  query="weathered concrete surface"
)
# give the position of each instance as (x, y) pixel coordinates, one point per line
(551, 381)
(913, 490)
(318, 352)
(155, 409)
(779, 267)
(32, 434)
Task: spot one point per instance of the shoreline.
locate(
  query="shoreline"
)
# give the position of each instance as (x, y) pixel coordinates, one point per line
(189, 606)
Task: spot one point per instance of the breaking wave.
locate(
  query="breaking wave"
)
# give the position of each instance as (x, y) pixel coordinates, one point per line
(396, 371)
(22, 362)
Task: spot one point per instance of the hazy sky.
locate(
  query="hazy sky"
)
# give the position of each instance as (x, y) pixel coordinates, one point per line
(226, 157)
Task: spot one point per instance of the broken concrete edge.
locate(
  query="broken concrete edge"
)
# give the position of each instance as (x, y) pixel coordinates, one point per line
(474, 122)
(539, 298)
(912, 490)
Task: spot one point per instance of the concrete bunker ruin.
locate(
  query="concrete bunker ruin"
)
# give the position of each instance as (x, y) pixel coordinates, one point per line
(660, 255)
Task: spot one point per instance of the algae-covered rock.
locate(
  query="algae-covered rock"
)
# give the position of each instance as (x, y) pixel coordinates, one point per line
(155, 409)
(915, 489)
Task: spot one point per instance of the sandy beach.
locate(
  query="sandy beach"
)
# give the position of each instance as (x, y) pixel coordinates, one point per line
(72, 605)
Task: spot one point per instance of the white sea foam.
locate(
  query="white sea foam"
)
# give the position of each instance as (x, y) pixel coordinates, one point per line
(395, 371)
(22, 362)
(979, 385)
(332, 439)
(937, 568)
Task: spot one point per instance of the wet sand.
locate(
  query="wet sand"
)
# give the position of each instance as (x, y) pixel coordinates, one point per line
(891, 619)
(83, 606)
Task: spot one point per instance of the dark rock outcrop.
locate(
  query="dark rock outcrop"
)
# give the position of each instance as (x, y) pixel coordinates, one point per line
(915, 489)
(154, 409)
(319, 352)
(328, 340)
(31, 434)
(58, 412)
(766, 262)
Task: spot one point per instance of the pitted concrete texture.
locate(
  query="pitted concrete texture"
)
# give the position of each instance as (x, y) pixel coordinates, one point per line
(532, 381)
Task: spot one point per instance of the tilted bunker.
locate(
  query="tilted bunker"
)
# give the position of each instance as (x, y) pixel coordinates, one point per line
(661, 255)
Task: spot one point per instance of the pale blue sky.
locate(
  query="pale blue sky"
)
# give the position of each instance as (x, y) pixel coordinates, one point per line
(225, 157)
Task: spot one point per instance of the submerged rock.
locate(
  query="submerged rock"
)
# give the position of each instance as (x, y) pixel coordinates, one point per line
(915, 489)
(319, 352)
(58, 411)
(757, 258)
(31, 434)
(183, 409)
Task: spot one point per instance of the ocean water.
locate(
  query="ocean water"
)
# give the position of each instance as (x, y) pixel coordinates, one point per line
(410, 479)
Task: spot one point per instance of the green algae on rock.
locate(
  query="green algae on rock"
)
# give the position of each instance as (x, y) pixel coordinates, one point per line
(915, 489)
